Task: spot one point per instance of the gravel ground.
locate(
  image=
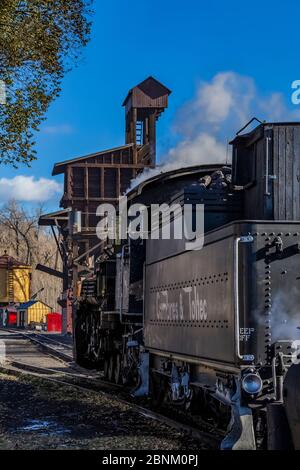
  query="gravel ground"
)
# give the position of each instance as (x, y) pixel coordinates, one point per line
(35, 414)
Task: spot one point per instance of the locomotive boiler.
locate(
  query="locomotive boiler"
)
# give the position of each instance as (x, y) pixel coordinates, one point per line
(215, 329)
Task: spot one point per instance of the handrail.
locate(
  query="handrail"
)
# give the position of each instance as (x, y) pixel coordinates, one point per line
(238, 240)
(267, 176)
(248, 124)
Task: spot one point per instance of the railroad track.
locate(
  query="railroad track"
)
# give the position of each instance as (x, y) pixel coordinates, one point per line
(52, 346)
(111, 391)
(80, 379)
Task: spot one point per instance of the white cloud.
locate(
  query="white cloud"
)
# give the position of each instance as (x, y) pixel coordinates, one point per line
(226, 91)
(226, 99)
(218, 110)
(61, 129)
(28, 189)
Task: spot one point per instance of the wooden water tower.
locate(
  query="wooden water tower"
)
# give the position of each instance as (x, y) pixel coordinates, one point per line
(102, 177)
(15, 280)
(143, 106)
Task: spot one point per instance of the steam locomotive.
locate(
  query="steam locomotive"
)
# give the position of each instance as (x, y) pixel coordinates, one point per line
(215, 329)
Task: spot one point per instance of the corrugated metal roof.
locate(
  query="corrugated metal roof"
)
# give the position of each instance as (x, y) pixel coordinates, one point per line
(30, 303)
(26, 305)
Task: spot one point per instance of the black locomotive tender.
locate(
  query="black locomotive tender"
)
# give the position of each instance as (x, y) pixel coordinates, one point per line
(217, 329)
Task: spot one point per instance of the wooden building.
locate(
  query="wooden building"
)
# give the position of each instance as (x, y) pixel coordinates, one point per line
(102, 177)
(34, 311)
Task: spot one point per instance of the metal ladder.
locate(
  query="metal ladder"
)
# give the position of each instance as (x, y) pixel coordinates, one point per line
(10, 285)
(139, 132)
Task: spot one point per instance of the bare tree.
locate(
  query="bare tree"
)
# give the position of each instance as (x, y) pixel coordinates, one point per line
(21, 237)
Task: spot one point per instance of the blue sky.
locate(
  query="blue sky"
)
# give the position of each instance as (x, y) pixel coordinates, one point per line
(186, 45)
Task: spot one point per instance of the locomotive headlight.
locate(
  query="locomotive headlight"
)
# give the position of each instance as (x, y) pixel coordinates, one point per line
(251, 383)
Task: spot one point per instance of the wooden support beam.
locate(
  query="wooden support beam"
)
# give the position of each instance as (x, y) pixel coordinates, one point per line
(102, 183)
(133, 125)
(108, 165)
(152, 138)
(118, 182)
(95, 199)
(87, 216)
(86, 183)
(57, 243)
(69, 177)
(91, 250)
(75, 272)
(50, 271)
(87, 247)
(134, 120)
(146, 130)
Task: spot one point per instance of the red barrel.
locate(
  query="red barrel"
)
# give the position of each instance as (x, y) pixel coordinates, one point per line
(54, 322)
(12, 319)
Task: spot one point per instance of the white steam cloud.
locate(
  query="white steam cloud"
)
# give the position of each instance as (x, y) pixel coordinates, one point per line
(28, 189)
(206, 123)
(285, 321)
